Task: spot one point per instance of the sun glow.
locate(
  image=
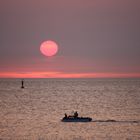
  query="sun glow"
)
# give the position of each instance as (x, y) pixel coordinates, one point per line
(49, 48)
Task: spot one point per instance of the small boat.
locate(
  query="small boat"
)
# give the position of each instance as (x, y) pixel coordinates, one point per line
(77, 119)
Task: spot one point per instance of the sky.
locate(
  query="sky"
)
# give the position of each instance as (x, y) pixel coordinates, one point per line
(96, 38)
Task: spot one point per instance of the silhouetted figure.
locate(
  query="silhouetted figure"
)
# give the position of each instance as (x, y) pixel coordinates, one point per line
(22, 84)
(75, 114)
(66, 115)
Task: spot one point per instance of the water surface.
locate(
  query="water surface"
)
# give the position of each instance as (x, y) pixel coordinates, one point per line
(34, 113)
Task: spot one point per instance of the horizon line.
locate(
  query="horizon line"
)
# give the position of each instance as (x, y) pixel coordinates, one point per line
(67, 75)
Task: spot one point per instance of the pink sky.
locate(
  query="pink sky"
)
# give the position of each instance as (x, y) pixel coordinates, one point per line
(96, 38)
(67, 75)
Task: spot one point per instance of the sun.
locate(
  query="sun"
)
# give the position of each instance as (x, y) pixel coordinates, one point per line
(49, 48)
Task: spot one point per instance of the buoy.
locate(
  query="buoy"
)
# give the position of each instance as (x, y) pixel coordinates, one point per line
(22, 84)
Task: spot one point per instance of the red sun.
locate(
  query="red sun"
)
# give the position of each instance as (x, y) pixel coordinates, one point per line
(49, 48)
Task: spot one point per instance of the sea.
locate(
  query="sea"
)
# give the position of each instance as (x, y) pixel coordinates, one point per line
(35, 112)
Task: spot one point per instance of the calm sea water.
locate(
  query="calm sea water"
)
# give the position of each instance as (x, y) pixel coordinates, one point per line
(34, 113)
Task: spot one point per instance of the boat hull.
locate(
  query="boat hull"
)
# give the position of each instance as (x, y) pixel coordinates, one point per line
(77, 119)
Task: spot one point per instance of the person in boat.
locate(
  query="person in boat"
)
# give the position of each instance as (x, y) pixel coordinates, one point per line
(75, 114)
(66, 116)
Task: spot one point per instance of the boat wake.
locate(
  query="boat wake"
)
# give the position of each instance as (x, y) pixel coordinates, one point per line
(117, 121)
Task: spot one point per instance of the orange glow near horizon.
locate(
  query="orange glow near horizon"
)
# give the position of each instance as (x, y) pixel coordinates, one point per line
(67, 75)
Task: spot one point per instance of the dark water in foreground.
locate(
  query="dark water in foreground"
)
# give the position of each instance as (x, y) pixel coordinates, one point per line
(34, 113)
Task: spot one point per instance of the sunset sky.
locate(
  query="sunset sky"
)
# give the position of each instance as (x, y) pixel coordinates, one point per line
(96, 38)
